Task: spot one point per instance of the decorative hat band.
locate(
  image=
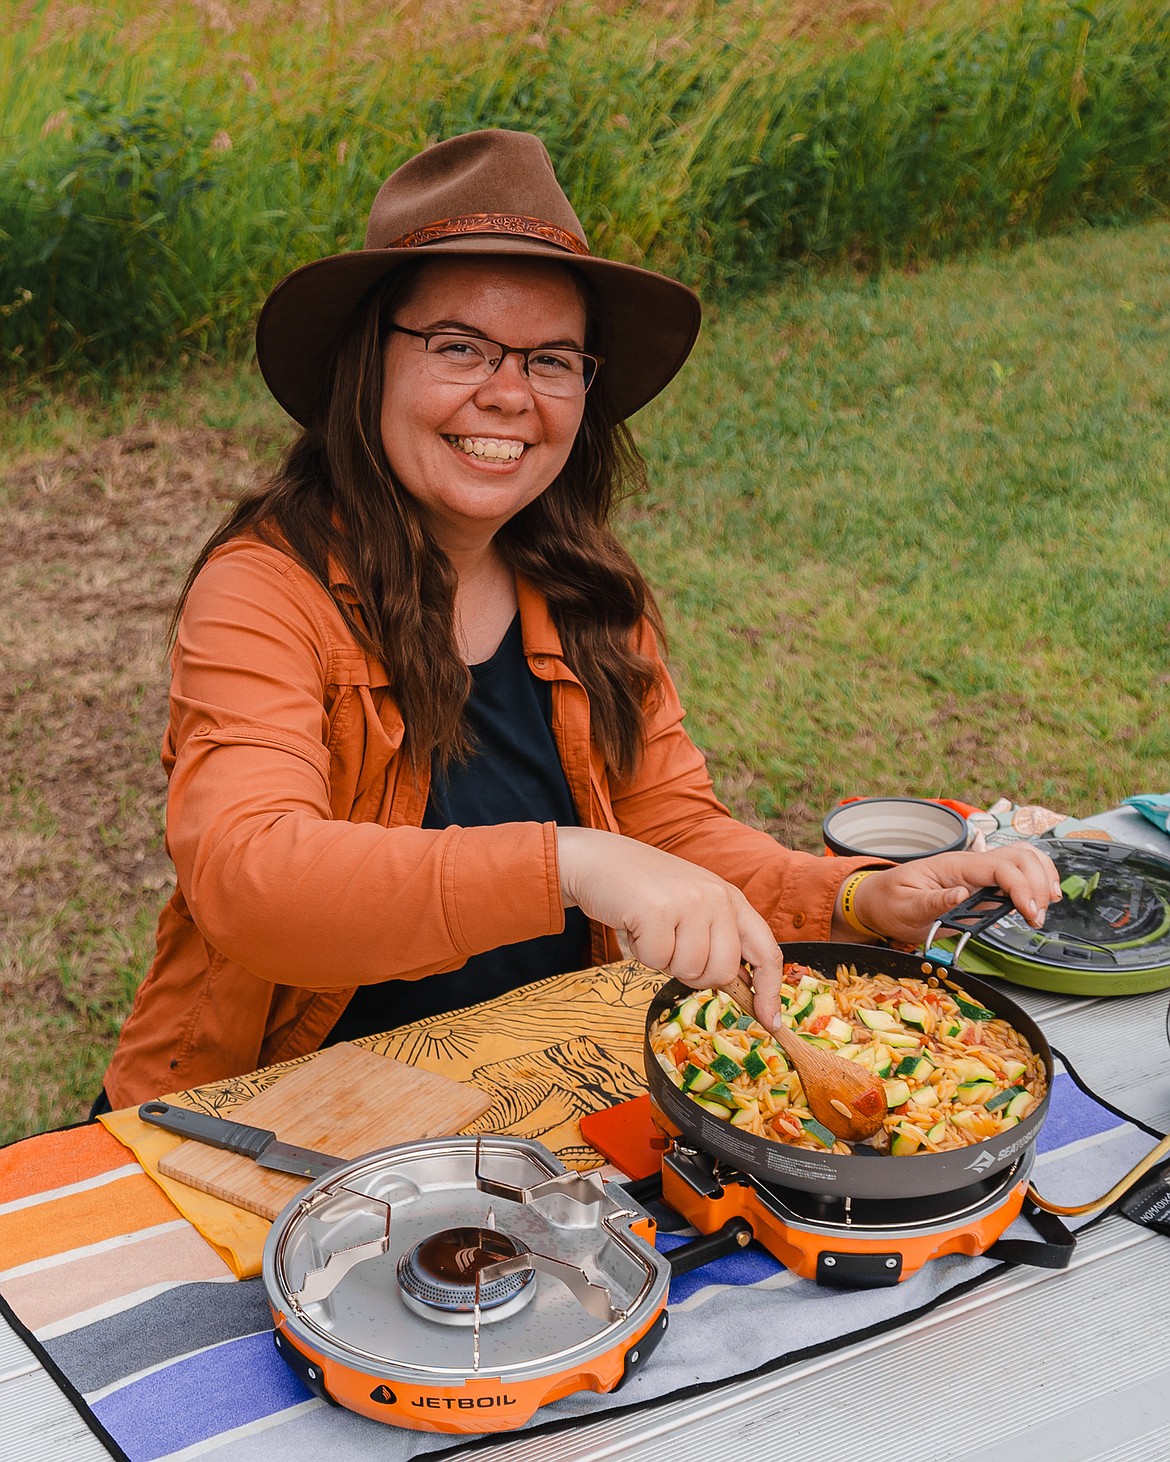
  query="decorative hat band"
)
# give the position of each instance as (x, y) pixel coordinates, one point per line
(491, 223)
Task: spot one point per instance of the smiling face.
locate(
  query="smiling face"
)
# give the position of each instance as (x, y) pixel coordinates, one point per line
(473, 456)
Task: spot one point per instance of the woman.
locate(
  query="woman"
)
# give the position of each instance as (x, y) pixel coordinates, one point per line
(422, 748)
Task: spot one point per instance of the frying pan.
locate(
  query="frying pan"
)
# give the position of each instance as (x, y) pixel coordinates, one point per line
(865, 1173)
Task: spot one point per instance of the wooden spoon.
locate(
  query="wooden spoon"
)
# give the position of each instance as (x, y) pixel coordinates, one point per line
(842, 1096)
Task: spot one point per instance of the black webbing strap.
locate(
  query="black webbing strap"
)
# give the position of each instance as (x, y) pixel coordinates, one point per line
(1054, 1252)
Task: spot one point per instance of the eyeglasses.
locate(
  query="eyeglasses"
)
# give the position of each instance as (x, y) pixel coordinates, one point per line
(469, 360)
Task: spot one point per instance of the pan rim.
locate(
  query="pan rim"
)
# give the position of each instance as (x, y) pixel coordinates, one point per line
(923, 1174)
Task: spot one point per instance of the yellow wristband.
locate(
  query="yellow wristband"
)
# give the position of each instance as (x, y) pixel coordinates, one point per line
(848, 891)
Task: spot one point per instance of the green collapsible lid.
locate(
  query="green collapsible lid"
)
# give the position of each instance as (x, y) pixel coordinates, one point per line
(1109, 935)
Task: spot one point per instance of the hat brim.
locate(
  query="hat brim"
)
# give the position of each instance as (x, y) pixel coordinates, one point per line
(651, 322)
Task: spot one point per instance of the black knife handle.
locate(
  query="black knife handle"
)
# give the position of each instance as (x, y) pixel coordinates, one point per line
(233, 1136)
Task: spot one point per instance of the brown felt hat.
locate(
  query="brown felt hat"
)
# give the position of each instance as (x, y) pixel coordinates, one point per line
(492, 194)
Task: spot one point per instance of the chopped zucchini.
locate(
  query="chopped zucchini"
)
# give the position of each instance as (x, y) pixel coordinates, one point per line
(724, 1047)
(917, 1068)
(971, 1010)
(821, 1133)
(801, 1005)
(878, 1020)
(839, 1030)
(713, 1107)
(708, 1016)
(968, 1069)
(824, 1004)
(901, 1040)
(696, 1080)
(970, 1092)
(1014, 1070)
(671, 1031)
(744, 1022)
(687, 1011)
(729, 1018)
(1002, 1098)
(720, 1093)
(755, 1065)
(905, 1141)
(745, 1117)
(1021, 1105)
(914, 1016)
(725, 1068)
(937, 1132)
(821, 1042)
(875, 1058)
(952, 1029)
(897, 1092)
(925, 1096)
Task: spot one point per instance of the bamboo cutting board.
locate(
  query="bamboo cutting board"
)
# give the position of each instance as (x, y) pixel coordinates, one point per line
(346, 1102)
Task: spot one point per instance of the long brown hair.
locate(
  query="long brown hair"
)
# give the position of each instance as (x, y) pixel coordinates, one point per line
(335, 505)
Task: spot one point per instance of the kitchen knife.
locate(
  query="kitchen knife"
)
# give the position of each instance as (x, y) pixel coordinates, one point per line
(253, 1142)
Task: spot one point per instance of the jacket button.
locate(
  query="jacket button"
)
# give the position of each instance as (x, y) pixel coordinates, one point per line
(202, 730)
(539, 662)
(798, 921)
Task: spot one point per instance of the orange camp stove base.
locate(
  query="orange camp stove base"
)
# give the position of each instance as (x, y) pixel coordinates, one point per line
(836, 1256)
(486, 1404)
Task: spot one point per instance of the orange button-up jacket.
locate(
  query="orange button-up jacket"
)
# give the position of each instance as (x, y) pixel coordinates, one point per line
(293, 824)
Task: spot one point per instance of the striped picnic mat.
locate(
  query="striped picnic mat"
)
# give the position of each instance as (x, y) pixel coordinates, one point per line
(168, 1356)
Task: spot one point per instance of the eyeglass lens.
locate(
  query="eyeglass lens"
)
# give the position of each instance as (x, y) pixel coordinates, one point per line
(552, 372)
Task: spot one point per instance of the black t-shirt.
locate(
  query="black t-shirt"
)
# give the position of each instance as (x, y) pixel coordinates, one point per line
(513, 775)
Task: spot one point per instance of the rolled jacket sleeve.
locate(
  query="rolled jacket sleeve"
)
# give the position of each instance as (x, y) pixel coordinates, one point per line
(272, 877)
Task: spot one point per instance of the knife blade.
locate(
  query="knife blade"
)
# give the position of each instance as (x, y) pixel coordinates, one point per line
(254, 1142)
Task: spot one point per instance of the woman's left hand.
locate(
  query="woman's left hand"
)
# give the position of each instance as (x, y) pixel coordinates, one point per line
(901, 903)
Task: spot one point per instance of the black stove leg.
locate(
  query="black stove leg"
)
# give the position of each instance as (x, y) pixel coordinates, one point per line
(735, 1234)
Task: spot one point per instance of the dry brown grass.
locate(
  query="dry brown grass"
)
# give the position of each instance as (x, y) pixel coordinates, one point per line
(95, 544)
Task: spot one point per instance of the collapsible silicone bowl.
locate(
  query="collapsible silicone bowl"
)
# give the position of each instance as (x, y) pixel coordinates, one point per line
(898, 828)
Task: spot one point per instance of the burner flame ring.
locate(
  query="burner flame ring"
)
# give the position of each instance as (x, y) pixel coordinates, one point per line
(438, 1276)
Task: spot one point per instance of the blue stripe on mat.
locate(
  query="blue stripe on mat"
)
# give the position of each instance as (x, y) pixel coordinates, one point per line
(193, 1399)
(1073, 1116)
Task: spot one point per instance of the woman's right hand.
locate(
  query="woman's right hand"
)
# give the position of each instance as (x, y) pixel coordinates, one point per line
(673, 915)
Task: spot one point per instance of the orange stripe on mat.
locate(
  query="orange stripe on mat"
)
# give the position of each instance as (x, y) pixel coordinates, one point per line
(51, 1295)
(60, 1224)
(53, 1159)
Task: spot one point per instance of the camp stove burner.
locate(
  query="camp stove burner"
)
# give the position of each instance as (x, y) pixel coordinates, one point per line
(372, 1275)
(442, 1277)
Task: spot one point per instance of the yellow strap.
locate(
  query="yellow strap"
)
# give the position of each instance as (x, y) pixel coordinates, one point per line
(848, 892)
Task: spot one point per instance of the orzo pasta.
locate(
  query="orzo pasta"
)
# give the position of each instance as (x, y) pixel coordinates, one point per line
(954, 1073)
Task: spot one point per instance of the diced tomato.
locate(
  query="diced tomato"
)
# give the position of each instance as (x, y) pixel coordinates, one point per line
(681, 1053)
(794, 973)
(786, 1125)
(817, 1024)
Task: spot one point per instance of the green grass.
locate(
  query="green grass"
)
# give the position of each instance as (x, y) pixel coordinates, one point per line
(915, 538)
(909, 535)
(161, 167)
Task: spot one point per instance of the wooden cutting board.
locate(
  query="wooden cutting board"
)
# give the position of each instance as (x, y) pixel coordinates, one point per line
(346, 1101)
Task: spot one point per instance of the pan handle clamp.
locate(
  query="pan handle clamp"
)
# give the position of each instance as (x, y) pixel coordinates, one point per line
(982, 909)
